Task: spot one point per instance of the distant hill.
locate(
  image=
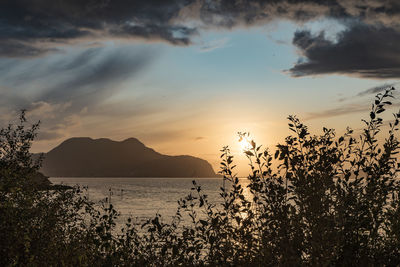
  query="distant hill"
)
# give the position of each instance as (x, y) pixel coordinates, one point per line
(87, 157)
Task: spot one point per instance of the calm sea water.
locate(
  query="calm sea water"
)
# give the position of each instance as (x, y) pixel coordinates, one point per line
(142, 198)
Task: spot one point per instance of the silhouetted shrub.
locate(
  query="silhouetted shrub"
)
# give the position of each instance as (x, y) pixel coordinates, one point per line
(330, 201)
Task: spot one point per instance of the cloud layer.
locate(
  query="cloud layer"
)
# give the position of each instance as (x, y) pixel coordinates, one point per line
(367, 48)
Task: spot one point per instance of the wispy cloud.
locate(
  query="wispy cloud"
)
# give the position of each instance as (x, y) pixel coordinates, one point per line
(355, 106)
(377, 89)
(214, 44)
(76, 86)
(333, 112)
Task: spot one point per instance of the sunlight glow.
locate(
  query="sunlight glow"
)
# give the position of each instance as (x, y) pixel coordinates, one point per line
(244, 144)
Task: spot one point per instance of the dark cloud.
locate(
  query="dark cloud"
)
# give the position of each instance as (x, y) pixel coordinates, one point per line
(13, 48)
(362, 50)
(227, 13)
(174, 34)
(27, 25)
(368, 48)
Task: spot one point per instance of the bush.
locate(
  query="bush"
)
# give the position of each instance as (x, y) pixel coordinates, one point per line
(331, 201)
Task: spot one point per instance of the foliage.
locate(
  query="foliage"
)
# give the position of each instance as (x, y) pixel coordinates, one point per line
(330, 201)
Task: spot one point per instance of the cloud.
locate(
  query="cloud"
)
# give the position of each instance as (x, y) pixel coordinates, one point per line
(34, 28)
(343, 110)
(27, 27)
(177, 35)
(54, 124)
(376, 89)
(228, 13)
(43, 109)
(368, 48)
(362, 50)
(347, 109)
(355, 106)
(214, 44)
(15, 48)
(61, 91)
(44, 135)
(371, 91)
(84, 77)
(93, 74)
(58, 127)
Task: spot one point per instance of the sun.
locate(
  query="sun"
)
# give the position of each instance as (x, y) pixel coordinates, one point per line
(244, 144)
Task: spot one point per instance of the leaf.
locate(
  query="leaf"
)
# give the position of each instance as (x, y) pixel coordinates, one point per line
(253, 144)
(249, 153)
(372, 115)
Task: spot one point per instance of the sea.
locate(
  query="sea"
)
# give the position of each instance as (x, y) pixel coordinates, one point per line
(143, 198)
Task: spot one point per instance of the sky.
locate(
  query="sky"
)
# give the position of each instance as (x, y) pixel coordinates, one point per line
(185, 76)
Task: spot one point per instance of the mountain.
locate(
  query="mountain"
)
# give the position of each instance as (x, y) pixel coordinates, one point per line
(87, 157)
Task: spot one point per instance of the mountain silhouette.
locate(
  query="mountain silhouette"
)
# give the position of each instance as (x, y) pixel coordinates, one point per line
(87, 157)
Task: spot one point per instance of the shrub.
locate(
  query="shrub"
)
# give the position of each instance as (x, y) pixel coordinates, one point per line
(40, 224)
(331, 200)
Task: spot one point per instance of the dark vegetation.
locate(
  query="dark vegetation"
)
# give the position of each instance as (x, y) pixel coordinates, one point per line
(332, 200)
(86, 157)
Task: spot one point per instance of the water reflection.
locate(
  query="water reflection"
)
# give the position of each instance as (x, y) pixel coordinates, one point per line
(142, 198)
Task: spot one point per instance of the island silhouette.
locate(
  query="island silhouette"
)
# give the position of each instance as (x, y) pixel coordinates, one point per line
(87, 157)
